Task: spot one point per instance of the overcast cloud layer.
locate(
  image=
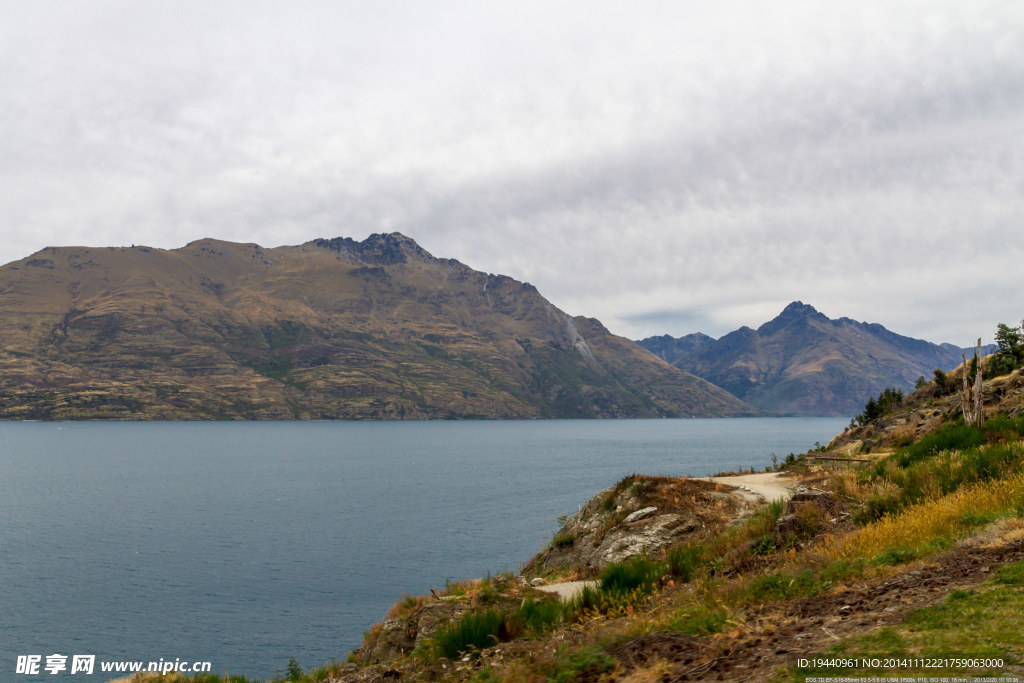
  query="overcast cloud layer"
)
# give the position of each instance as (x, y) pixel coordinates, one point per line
(667, 167)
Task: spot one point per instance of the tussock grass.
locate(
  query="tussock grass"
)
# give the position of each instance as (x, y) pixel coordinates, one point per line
(406, 606)
(948, 437)
(760, 525)
(685, 560)
(892, 485)
(481, 629)
(916, 526)
(474, 631)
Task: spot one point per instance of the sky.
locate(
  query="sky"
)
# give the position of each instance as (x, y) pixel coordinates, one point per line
(665, 167)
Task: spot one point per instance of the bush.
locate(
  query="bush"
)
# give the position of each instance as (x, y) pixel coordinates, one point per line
(537, 616)
(638, 572)
(474, 631)
(1003, 427)
(563, 540)
(948, 437)
(684, 561)
(622, 585)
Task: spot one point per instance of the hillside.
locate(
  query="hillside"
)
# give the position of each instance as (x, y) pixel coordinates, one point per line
(915, 555)
(804, 363)
(328, 329)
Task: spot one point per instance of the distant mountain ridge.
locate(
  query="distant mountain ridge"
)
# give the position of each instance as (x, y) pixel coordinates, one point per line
(333, 328)
(804, 363)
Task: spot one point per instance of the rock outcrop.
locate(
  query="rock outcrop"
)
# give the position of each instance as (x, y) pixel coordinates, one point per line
(638, 515)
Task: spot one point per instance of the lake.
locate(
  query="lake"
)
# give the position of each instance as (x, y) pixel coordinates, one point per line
(244, 544)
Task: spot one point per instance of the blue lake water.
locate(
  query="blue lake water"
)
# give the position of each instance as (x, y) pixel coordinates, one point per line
(244, 544)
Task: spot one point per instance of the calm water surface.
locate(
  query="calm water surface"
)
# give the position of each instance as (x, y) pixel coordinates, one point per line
(247, 543)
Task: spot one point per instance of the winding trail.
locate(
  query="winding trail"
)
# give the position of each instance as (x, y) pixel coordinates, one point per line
(568, 589)
(761, 487)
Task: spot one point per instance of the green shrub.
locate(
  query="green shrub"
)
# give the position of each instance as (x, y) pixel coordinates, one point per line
(474, 631)
(684, 561)
(886, 501)
(537, 616)
(948, 437)
(621, 586)
(1004, 427)
(767, 545)
(637, 572)
(944, 471)
(563, 540)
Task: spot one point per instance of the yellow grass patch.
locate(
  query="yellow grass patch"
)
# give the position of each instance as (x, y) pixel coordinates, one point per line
(920, 523)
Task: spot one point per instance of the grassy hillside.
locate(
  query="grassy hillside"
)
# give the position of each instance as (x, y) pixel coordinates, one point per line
(329, 329)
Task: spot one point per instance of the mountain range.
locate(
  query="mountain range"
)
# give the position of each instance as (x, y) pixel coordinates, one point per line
(332, 328)
(804, 363)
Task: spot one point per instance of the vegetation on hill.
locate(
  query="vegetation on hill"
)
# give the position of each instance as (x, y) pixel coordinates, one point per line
(911, 548)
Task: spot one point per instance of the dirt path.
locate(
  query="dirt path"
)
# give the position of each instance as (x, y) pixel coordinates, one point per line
(761, 487)
(568, 589)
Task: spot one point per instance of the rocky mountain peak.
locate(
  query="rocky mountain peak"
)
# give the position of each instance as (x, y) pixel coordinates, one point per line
(793, 313)
(378, 249)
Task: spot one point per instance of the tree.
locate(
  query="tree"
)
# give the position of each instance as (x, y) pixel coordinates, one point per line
(294, 670)
(1009, 340)
(1011, 349)
(888, 401)
(941, 381)
(921, 382)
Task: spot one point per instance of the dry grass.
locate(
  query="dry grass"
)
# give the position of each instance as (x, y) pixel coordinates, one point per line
(406, 606)
(918, 524)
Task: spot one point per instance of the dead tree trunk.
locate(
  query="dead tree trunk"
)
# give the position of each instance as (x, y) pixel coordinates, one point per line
(970, 399)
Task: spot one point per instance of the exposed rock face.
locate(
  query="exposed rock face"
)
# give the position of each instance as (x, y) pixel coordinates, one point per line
(635, 539)
(401, 636)
(639, 515)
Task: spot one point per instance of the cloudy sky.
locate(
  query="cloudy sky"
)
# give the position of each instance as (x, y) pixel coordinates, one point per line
(667, 167)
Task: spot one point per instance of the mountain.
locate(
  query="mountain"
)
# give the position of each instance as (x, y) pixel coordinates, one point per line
(804, 363)
(328, 329)
(671, 349)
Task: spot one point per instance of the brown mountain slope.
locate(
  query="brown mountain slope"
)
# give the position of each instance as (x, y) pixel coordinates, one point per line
(328, 329)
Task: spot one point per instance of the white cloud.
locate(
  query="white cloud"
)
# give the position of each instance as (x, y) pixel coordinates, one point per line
(688, 164)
